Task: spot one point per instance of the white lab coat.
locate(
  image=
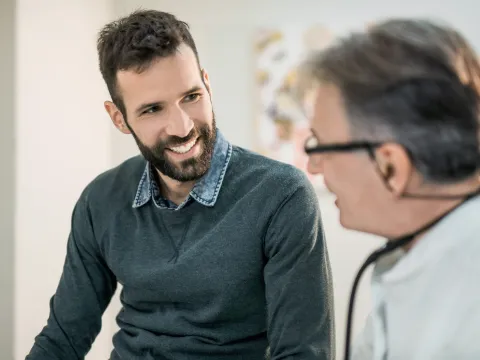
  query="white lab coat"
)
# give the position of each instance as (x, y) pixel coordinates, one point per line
(426, 302)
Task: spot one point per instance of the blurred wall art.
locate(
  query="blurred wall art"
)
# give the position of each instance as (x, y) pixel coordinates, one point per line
(281, 125)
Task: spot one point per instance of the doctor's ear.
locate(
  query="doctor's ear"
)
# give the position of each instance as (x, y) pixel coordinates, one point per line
(389, 172)
(395, 166)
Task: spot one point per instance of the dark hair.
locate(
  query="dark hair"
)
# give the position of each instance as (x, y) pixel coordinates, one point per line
(414, 82)
(135, 41)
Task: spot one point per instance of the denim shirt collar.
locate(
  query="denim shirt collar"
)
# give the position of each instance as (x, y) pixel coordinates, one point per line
(205, 191)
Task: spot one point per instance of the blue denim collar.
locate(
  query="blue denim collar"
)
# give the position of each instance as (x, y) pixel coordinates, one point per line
(205, 191)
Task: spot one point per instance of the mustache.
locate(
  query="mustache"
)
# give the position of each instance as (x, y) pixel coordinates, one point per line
(173, 141)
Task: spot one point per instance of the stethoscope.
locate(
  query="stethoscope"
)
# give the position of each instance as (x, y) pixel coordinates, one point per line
(390, 246)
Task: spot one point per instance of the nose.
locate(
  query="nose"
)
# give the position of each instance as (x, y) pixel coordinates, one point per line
(315, 165)
(180, 124)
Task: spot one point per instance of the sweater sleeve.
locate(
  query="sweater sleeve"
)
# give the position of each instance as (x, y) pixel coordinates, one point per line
(298, 281)
(85, 289)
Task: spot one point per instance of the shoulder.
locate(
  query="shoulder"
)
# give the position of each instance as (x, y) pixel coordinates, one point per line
(115, 185)
(267, 171)
(266, 183)
(108, 194)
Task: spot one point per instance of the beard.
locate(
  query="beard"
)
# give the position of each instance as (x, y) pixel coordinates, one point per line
(187, 170)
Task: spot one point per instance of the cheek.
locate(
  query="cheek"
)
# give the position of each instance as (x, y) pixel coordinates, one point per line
(148, 131)
(352, 182)
(201, 111)
(340, 174)
(314, 165)
(332, 170)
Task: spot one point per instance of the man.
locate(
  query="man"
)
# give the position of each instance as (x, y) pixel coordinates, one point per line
(396, 136)
(220, 251)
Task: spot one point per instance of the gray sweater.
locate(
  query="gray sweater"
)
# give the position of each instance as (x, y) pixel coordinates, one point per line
(226, 281)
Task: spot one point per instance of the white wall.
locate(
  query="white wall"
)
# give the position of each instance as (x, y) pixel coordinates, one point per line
(224, 33)
(62, 142)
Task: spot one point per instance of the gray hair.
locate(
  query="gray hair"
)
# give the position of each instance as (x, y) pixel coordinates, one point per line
(414, 82)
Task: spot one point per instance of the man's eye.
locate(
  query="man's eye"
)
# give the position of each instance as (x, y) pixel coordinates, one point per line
(192, 97)
(152, 110)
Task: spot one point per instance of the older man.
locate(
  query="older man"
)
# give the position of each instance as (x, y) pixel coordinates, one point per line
(395, 133)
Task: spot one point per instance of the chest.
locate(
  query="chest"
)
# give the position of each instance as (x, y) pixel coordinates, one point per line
(158, 257)
(419, 318)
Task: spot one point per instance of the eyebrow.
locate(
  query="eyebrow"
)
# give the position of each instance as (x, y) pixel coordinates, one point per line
(146, 106)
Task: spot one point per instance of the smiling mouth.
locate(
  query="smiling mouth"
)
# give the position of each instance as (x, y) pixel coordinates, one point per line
(184, 148)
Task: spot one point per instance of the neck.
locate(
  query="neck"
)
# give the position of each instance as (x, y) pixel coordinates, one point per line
(425, 211)
(173, 190)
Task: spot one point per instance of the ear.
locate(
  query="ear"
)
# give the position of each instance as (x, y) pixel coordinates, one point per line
(206, 81)
(395, 165)
(117, 117)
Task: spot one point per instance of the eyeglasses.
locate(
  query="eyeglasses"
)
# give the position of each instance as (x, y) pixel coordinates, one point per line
(312, 146)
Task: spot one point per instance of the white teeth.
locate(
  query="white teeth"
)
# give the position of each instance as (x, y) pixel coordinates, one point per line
(184, 148)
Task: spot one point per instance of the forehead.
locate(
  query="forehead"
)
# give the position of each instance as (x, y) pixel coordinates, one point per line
(163, 80)
(329, 120)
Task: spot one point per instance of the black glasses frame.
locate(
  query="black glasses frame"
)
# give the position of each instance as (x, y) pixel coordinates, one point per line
(342, 147)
